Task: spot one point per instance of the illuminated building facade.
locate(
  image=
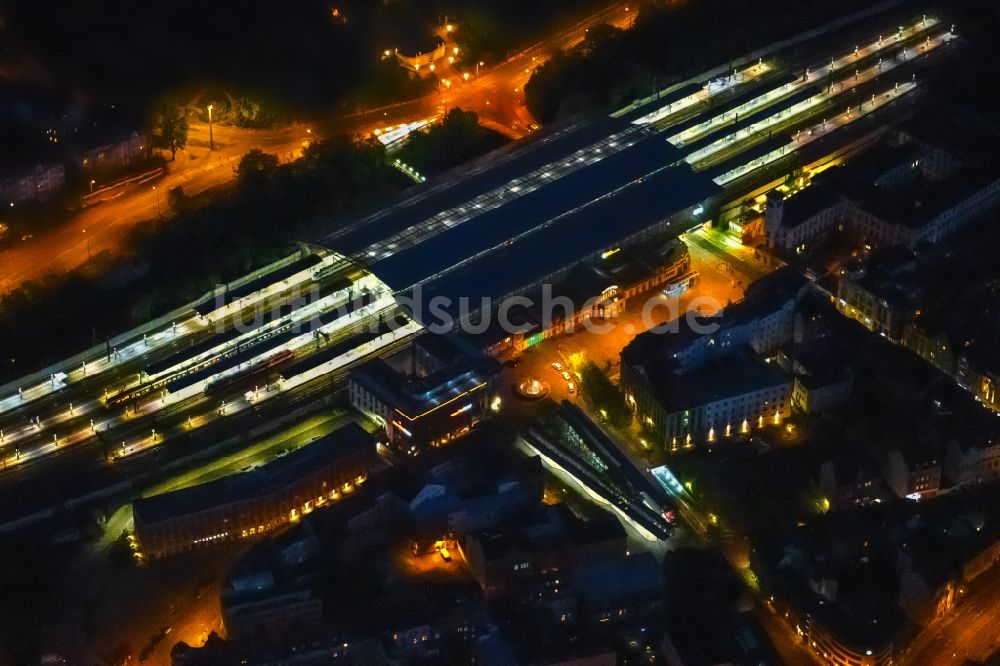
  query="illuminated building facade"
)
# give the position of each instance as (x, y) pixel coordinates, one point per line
(882, 297)
(419, 53)
(245, 505)
(979, 373)
(728, 395)
(434, 391)
(600, 290)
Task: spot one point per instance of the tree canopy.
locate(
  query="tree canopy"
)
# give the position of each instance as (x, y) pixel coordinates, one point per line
(170, 128)
(667, 42)
(458, 138)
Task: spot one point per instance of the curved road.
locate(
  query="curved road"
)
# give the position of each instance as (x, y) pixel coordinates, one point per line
(496, 94)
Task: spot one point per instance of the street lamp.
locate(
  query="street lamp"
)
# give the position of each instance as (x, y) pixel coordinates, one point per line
(211, 139)
(478, 65)
(157, 193)
(92, 183)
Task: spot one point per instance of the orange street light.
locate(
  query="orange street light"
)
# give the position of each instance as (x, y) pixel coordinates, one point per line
(211, 138)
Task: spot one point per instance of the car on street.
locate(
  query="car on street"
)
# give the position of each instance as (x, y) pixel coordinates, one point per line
(557, 367)
(572, 387)
(566, 376)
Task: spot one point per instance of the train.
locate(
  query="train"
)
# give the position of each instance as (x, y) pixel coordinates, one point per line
(230, 357)
(326, 271)
(259, 372)
(196, 371)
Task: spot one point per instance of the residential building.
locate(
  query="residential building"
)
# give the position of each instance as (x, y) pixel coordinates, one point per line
(901, 192)
(548, 546)
(833, 589)
(823, 378)
(912, 472)
(881, 295)
(928, 214)
(929, 339)
(109, 148)
(40, 182)
(764, 320)
(846, 482)
(972, 461)
(263, 597)
(978, 371)
(620, 590)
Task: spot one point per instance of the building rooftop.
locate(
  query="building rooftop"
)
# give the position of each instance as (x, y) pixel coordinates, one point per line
(848, 550)
(540, 208)
(956, 129)
(731, 374)
(570, 238)
(762, 298)
(263, 481)
(882, 159)
(806, 204)
(620, 580)
(457, 372)
(521, 213)
(505, 167)
(918, 205)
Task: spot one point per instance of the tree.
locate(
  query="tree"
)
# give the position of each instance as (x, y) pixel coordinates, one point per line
(603, 396)
(256, 167)
(170, 128)
(458, 138)
(177, 200)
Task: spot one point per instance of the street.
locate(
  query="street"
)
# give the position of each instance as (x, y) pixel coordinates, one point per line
(971, 632)
(496, 94)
